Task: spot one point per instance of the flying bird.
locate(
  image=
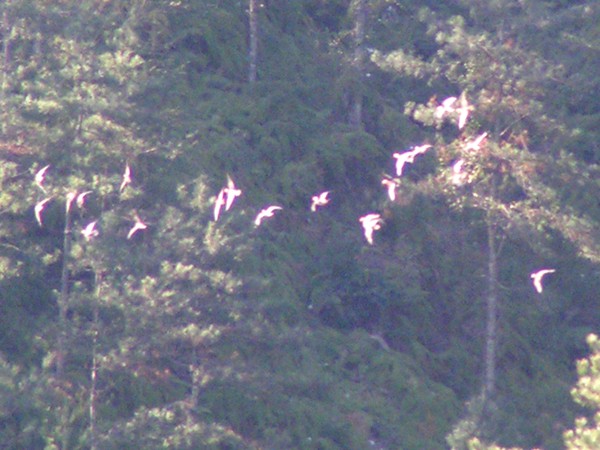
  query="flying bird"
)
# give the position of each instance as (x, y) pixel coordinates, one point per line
(401, 160)
(463, 111)
(40, 176)
(420, 149)
(81, 198)
(219, 203)
(319, 200)
(232, 192)
(391, 186)
(126, 178)
(139, 225)
(90, 231)
(476, 143)
(408, 157)
(39, 207)
(537, 278)
(447, 106)
(370, 223)
(70, 197)
(458, 176)
(267, 212)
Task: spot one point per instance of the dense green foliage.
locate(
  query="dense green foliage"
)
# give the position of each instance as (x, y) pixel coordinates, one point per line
(196, 333)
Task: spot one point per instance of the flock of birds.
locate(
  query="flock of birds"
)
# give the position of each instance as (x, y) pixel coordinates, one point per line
(453, 106)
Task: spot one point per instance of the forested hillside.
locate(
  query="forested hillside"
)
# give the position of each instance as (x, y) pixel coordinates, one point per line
(144, 305)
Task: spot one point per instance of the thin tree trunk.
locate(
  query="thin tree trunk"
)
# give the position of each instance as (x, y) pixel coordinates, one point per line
(5, 62)
(94, 370)
(491, 336)
(360, 20)
(253, 40)
(63, 299)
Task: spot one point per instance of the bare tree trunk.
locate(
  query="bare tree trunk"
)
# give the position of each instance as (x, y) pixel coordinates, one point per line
(63, 299)
(5, 63)
(491, 337)
(253, 40)
(195, 391)
(360, 20)
(94, 370)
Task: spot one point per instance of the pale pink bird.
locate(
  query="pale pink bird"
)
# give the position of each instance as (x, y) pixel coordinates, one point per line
(267, 212)
(69, 201)
(81, 198)
(537, 278)
(420, 149)
(319, 200)
(139, 225)
(401, 160)
(476, 143)
(391, 186)
(126, 178)
(39, 207)
(458, 176)
(446, 107)
(232, 192)
(219, 203)
(90, 231)
(463, 111)
(40, 176)
(370, 223)
(409, 157)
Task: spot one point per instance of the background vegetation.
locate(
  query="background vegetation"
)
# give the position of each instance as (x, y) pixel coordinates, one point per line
(298, 334)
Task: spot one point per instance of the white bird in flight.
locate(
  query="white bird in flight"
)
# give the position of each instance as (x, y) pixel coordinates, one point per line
(90, 231)
(70, 197)
(370, 223)
(476, 143)
(401, 160)
(463, 111)
(319, 200)
(447, 106)
(408, 157)
(219, 203)
(267, 212)
(81, 198)
(458, 176)
(39, 207)
(232, 192)
(391, 186)
(139, 225)
(537, 278)
(40, 176)
(126, 178)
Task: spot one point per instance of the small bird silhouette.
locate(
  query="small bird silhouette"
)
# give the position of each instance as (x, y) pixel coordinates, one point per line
(446, 107)
(319, 200)
(463, 111)
(476, 143)
(39, 207)
(408, 157)
(370, 223)
(126, 178)
(232, 192)
(219, 203)
(537, 278)
(401, 160)
(90, 231)
(139, 225)
(458, 176)
(267, 212)
(69, 201)
(40, 176)
(81, 198)
(420, 149)
(391, 186)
